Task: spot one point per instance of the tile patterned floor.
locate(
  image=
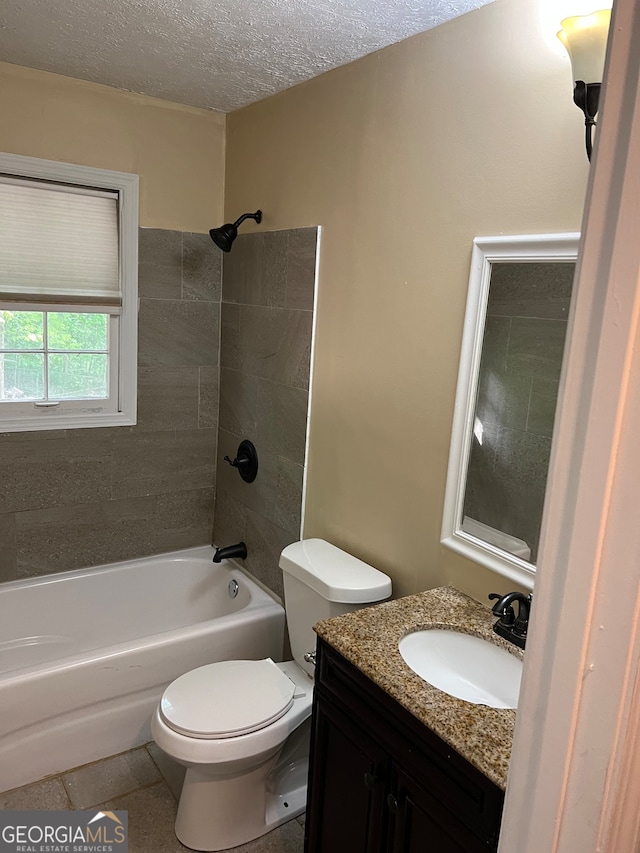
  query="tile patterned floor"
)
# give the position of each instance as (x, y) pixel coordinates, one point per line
(146, 783)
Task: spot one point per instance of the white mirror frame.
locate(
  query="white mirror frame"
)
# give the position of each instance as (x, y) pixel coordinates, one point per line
(487, 251)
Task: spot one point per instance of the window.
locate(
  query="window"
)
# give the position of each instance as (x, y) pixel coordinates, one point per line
(68, 295)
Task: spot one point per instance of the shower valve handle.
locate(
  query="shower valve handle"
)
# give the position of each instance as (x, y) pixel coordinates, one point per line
(246, 461)
(237, 463)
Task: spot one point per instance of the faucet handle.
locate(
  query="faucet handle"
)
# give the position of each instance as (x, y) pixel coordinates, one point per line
(508, 626)
(522, 622)
(503, 609)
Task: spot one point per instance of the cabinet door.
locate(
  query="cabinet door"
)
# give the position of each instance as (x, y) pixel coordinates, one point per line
(422, 825)
(347, 787)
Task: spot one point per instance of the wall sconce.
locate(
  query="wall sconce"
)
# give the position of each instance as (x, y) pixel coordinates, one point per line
(585, 39)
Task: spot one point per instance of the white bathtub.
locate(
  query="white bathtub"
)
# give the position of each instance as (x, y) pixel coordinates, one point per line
(85, 655)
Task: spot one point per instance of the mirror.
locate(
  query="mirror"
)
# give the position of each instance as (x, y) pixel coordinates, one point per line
(513, 341)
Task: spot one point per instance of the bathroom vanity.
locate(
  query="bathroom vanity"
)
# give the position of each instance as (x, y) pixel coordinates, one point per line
(397, 765)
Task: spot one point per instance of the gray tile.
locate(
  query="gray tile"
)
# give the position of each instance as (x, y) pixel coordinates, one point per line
(265, 542)
(168, 398)
(523, 458)
(503, 398)
(178, 333)
(486, 500)
(536, 347)
(242, 270)
(272, 269)
(273, 343)
(301, 268)
(288, 838)
(255, 271)
(228, 520)
(273, 416)
(282, 420)
(157, 462)
(159, 263)
(276, 493)
(230, 336)
(201, 268)
(8, 554)
(208, 397)
(239, 403)
(172, 772)
(531, 290)
(53, 473)
(48, 795)
(152, 814)
(57, 539)
(483, 448)
(36, 435)
(514, 513)
(272, 288)
(495, 342)
(93, 784)
(525, 513)
(542, 409)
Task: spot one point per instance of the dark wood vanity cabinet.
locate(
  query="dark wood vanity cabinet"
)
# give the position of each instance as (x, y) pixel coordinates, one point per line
(380, 781)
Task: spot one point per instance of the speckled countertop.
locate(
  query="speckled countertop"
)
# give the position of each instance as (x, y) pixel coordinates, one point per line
(369, 639)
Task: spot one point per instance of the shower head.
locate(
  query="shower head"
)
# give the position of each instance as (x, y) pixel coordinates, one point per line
(224, 236)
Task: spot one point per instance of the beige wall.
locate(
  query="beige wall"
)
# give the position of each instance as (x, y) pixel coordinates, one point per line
(178, 151)
(403, 158)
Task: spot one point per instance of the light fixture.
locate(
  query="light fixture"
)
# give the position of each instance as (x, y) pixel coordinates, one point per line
(585, 39)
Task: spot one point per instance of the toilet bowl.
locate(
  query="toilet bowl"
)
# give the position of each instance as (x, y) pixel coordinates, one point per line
(241, 784)
(241, 728)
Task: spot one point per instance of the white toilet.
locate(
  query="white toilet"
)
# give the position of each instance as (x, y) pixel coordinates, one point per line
(241, 728)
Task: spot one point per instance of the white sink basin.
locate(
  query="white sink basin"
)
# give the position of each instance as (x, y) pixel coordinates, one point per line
(464, 666)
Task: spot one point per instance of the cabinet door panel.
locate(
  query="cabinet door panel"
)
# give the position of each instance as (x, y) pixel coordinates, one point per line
(347, 787)
(423, 826)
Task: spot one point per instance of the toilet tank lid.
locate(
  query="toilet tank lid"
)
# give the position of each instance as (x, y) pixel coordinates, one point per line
(334, 574)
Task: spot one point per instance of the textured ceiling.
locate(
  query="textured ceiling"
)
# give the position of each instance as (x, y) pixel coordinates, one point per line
(218, 54)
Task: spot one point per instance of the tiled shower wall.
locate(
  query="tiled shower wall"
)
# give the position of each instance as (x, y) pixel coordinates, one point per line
(267, 320)
(521, 359)
(74, 498)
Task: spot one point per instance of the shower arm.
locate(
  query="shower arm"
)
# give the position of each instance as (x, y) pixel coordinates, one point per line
(257, 216)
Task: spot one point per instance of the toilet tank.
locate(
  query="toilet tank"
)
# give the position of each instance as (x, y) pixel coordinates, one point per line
(320, 581)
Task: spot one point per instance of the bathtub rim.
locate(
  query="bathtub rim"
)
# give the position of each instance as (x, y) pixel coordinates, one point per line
(196, 551)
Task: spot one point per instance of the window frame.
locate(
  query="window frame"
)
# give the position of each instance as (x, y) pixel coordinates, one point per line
(74, 414)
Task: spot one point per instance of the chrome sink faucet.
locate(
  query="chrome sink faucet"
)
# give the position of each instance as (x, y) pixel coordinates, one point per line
(509, 626)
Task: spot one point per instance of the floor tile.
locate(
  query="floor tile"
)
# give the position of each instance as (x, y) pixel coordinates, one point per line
(288, 838)
(152, 813)
(110, 778)
(48, 795)
(172, 771)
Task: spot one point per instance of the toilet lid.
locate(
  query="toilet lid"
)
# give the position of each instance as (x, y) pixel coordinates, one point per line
(227, 699)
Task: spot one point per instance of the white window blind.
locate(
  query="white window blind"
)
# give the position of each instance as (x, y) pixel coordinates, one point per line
(58, 244)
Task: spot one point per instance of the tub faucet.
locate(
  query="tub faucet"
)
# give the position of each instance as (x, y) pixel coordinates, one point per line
(238, 551)
(509, 626)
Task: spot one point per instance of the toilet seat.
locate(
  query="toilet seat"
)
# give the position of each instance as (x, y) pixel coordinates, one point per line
(227, 699)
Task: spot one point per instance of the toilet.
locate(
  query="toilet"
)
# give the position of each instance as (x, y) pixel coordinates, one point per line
(241, 728)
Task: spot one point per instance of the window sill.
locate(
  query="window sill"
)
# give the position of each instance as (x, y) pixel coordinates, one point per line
(48, 420)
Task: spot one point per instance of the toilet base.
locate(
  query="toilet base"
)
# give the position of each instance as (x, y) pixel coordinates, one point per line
(216, 813)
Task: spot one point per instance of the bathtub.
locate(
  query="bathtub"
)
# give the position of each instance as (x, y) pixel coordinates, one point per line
(85, 655)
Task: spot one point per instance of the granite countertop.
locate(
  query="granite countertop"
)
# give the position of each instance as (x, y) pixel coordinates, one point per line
(369, 639)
